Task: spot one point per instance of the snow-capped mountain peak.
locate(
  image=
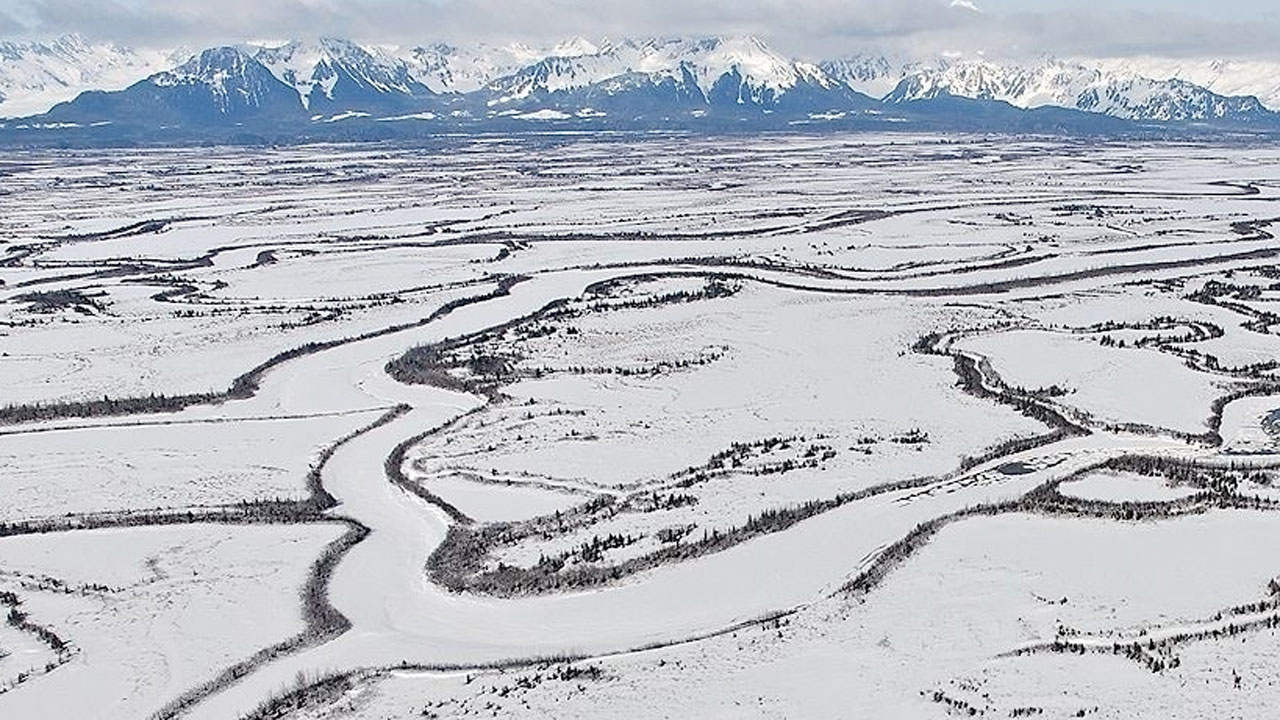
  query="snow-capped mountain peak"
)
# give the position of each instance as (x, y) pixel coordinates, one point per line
(213, 67)
(875, 75)
(295, 65)
(1067, 84)
(234, 80)
(575, 47)
(758, 75)
(448, 68)
(759, 67)
(35, 76)
(1229, 77)
(334, 65)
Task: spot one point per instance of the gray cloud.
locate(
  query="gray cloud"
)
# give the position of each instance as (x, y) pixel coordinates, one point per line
(1120, 32)
(810, 28)
(9, 25)
(170, 22)
(156, 21)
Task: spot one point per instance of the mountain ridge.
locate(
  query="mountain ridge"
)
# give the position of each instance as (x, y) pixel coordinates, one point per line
(619, 83)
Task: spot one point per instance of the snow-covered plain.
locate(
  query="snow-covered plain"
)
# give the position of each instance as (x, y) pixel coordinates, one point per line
(945, 623)
(114, 468)
(755, 427)
(151, 612)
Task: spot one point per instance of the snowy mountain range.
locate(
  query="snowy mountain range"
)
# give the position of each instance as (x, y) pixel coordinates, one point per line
(73, 83)
(36, 76)
(1055, 83)
(1259, 79)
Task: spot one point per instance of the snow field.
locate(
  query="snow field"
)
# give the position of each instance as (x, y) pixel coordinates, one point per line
(151, 612)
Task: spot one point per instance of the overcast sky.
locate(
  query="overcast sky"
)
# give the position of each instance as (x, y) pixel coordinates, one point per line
(805, 28)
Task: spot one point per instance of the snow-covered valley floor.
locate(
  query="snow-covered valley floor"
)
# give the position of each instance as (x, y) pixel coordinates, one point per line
(641, 427)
